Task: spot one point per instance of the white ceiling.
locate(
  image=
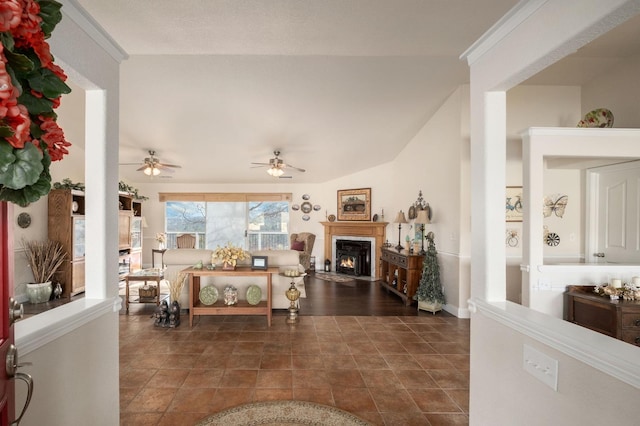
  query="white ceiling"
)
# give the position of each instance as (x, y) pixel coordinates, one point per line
(338, 86)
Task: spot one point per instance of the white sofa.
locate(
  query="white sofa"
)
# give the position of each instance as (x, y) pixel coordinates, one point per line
(179, 259)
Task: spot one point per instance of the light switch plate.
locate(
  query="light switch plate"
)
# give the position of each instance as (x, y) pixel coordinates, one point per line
(541, 366)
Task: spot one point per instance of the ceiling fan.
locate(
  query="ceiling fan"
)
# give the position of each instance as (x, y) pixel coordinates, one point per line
(277, 166)
(151, 166)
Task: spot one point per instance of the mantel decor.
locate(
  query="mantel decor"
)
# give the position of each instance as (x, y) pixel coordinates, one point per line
(31, 86)
(354, 204)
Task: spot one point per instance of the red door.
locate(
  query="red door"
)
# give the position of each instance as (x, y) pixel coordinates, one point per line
(7, 403)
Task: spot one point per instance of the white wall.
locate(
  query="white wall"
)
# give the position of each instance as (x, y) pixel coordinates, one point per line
(498, 63)
(618, 91)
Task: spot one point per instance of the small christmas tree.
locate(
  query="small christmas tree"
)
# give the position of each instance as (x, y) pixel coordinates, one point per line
(430, 296)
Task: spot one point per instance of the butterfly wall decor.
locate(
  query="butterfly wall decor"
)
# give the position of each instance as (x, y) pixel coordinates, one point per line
(555, 203)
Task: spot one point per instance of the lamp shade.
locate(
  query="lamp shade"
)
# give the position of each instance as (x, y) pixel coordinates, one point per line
(151, 171)
(275, 171)
(423, 217)
(400, 218)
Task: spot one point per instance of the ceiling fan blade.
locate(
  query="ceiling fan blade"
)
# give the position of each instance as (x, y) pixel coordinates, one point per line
(164, 168)
(297, 168)
(168, 165)
(141, 168)
(129, 164)
(285, 177)
(261, 164)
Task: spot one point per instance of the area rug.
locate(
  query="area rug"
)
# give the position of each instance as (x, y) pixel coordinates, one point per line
(290, 413)
(333, 277)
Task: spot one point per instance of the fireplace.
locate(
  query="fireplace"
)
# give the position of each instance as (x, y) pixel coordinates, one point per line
(353, 257)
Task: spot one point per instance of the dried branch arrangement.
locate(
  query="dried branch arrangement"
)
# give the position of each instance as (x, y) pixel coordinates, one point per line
(44, 257)
(176, 284)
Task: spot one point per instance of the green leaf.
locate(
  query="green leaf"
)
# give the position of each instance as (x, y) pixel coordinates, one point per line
(35, 106)
(20, 167)
(6, 131)
(46, 82)
(7, 41)
(19, 63)
(50, 14)
(29, 193)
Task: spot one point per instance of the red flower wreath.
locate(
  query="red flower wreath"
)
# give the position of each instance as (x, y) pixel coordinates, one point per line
(30, 89)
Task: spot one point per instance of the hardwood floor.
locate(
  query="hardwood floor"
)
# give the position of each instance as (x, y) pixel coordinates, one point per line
(355, 347)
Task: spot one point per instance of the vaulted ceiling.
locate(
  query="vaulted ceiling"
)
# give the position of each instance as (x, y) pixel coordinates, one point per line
(337, 86)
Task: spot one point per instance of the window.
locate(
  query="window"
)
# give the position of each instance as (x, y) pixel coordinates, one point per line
(254, 225)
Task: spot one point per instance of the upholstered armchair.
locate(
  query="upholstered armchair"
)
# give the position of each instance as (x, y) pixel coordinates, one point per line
(303, 242)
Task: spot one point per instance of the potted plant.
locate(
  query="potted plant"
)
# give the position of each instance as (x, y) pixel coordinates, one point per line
(430, 296)
(230, 256)
(44, 258)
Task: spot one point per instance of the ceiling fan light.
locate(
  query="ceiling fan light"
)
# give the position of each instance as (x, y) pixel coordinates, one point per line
(275, 172)
(149, 171)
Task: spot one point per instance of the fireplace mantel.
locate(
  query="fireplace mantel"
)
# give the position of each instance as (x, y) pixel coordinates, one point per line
(375, 230)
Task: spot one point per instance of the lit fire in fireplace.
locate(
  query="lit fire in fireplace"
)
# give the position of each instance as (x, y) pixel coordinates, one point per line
(347, 262)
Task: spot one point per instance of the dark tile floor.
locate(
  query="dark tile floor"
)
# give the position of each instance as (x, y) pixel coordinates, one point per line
(391, 366)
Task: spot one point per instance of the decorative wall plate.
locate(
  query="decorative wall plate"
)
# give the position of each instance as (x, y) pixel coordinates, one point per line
(254, 294)
(412, 213)
(306, 197)
(331, 218)
(295, 207)
(306, 217)
(317, 207)
(74, 206)
(208, 295)
(24, 220)
(306, 207)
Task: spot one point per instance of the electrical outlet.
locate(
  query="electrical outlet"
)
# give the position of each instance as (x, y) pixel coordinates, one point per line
(541, 366)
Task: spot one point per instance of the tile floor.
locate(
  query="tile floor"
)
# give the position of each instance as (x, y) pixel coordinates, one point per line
(389, 370)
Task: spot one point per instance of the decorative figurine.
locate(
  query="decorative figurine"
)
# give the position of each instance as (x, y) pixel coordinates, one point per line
(174, 314)
(162, 315)
(57, 291)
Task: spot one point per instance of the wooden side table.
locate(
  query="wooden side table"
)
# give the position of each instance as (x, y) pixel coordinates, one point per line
(153, 257)
(145, 275)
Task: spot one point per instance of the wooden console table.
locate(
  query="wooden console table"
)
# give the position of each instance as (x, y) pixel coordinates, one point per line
(219, 308)
(405, 269)
(616, 318)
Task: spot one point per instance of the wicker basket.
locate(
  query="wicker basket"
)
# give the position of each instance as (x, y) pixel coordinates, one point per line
(148, 292)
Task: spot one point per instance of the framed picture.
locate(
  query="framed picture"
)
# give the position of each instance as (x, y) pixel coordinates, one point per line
(514, 204)
(259, 262)
(354, 204)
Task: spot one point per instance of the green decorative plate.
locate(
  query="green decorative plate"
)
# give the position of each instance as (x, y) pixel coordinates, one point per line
(254, 294)
(208, 295)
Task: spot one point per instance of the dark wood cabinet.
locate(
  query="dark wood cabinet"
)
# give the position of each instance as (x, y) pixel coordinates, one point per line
(616, 318)
(66, 225)
(129, 234)
(400, 273)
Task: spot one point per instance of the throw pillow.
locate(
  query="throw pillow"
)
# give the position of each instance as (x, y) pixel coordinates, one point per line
(297, 245)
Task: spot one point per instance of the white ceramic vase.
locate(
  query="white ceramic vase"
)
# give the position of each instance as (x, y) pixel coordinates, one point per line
(39, 292)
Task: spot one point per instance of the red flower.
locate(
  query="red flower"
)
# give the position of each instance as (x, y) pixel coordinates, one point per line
(53, 137)
(18, 119)
(10, 14)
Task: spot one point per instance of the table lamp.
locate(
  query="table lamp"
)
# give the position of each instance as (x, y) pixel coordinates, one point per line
(422, 220)
(400, 219)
